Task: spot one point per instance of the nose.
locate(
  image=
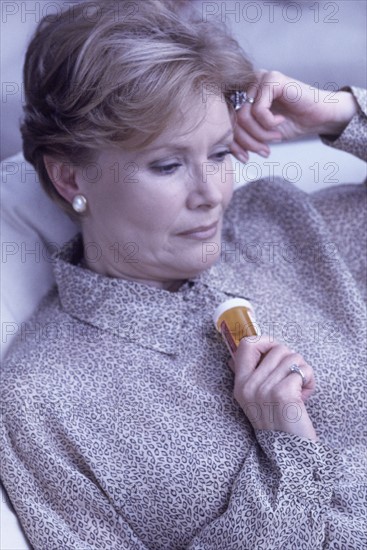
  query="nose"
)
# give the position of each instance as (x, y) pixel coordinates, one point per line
(207, 186)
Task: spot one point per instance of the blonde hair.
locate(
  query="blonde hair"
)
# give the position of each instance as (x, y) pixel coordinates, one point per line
(105, 74)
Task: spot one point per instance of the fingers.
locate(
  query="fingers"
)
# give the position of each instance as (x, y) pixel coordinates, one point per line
(250, 352)
(263, 365)
(269, 89)
(282, 381)
(250, 135)
(267, 390)
(256, 123)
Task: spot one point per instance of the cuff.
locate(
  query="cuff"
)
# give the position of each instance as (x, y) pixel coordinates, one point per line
(308, 469)
(353, 138)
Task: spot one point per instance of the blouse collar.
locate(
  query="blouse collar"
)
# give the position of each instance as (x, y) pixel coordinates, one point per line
(153, 317)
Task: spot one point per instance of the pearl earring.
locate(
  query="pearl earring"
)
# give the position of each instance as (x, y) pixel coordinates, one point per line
(79, 204)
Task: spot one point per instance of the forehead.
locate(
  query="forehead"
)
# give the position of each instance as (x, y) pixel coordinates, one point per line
(197, 118)
(197, 125)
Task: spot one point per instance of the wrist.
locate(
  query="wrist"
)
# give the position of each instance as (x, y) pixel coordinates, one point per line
(289, 417)
(344, 110)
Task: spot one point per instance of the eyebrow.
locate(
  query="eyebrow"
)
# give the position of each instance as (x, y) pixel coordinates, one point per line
(174, 147)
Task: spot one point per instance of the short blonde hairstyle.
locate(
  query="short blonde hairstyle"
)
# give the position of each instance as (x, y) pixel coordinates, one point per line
(114, 73)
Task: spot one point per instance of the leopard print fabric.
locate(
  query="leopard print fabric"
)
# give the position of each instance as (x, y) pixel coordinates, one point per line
(119, 426)
(357, 130)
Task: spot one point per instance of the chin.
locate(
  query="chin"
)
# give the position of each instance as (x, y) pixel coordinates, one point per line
(204, 260)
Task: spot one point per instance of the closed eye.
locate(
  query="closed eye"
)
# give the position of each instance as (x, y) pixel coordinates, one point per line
(169, 169)
(166, 169)
(221, 155)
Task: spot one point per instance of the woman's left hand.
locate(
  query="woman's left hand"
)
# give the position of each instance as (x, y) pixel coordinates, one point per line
(286, 108)
(266, 389)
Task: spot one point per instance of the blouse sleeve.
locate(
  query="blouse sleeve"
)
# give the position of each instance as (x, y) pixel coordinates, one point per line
(354, 137)
(56, 497)
(280, 498)
(342, 207)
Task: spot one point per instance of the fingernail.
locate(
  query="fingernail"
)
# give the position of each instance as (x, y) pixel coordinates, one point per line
(263, 153)
(243, 158)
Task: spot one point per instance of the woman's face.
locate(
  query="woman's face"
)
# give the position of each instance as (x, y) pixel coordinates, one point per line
(145, 207)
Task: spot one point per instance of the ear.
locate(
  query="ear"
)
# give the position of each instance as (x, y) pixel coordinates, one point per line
(63, 176)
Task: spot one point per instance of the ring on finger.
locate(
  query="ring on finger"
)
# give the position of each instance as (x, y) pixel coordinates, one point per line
(295, 368)
(239, 98)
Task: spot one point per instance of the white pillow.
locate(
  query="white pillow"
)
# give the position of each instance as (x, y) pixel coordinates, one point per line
(32, 226)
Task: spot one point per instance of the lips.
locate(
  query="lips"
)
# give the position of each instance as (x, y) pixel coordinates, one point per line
(200, 229)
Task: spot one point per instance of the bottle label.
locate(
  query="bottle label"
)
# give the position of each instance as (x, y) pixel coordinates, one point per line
(228, 338)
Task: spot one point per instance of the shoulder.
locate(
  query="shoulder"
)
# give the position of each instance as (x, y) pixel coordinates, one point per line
(43, 354)
(257, 194)
(58, 361)
(262, 202)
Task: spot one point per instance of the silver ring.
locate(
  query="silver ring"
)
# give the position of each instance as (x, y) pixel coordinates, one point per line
(295, 368)
(239, 98)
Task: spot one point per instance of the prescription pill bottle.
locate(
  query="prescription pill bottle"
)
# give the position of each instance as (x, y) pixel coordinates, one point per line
(235, 319)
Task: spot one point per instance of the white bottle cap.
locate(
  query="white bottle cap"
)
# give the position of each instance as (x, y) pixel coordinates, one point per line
(229, 304)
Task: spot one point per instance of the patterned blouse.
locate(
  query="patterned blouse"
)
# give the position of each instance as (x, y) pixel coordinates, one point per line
(120, 430)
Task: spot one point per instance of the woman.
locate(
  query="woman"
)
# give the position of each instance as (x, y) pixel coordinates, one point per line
(123, 425)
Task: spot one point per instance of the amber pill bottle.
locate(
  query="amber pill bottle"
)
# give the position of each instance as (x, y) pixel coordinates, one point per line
(235, 319)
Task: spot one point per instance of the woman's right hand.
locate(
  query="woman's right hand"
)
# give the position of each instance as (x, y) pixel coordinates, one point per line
(271, 396)
(285, 108)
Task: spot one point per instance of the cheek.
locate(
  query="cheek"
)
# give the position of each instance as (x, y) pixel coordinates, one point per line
(154, 214)
(163, 206)
(142, 201)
